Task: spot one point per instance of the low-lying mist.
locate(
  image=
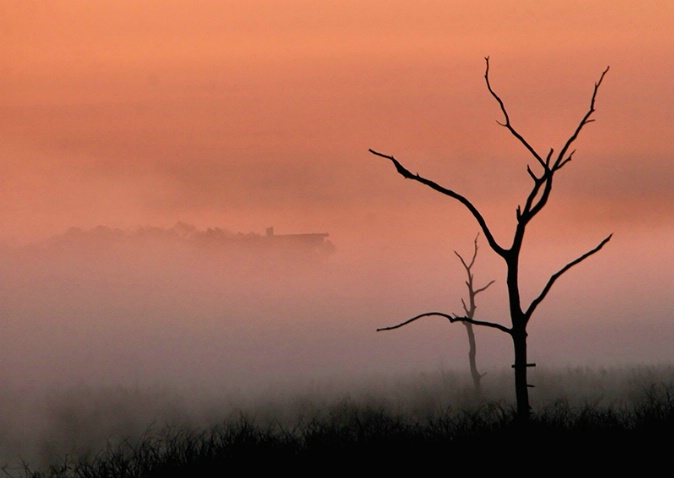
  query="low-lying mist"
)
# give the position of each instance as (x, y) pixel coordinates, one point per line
(107, 333)
(41, 430)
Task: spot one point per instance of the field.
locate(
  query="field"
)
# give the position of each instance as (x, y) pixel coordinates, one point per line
(599, 418)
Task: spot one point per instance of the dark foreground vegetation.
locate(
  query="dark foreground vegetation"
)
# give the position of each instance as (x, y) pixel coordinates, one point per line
(594, 436)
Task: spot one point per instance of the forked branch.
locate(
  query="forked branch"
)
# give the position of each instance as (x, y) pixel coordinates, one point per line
(540, 192)
(472, 292)
(451, 318)
(559, 273)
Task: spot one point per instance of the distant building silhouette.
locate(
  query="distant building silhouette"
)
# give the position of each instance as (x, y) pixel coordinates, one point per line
(182, 234)
(308, 241)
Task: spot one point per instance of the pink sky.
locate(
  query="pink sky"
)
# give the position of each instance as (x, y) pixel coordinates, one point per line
(245, 115)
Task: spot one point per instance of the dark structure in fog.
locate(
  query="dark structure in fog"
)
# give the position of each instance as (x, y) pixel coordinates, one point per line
(270, 243)
(313, 241)
(182, 234)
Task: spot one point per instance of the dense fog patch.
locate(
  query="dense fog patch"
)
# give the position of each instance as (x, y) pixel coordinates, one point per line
(107, 332)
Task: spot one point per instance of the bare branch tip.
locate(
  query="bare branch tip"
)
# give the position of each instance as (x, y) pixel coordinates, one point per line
(531, 173)
(608, 67)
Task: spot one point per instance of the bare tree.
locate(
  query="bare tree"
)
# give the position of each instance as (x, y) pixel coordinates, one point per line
(469, 310)
(537, 198)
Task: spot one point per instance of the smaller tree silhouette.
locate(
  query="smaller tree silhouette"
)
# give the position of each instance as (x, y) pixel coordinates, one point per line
(469, 310)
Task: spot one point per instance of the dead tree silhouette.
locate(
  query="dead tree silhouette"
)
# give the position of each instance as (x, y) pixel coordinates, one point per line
(536, 200)
(469, 310)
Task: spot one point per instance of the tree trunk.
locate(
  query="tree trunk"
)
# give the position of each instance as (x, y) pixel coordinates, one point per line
(477, 376)
(519, 336)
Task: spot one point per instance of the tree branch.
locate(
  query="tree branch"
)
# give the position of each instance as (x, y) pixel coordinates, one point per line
(465, 307)
(558, 274)
(452, 319)
(586, 119)
(507, 119)
(547, 158)
(466, 266)
(482, 289)
(546, 181)
(533, 176)
(568, 158)
(526, 214)
(404, 172)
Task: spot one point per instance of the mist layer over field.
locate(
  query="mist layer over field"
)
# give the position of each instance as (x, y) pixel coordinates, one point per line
(116, 330)
(193, 308)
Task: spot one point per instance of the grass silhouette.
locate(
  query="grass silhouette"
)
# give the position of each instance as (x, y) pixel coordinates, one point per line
(352, 432)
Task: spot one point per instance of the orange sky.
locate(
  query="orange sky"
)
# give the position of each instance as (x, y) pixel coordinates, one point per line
(129, 113)
(249, 114)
